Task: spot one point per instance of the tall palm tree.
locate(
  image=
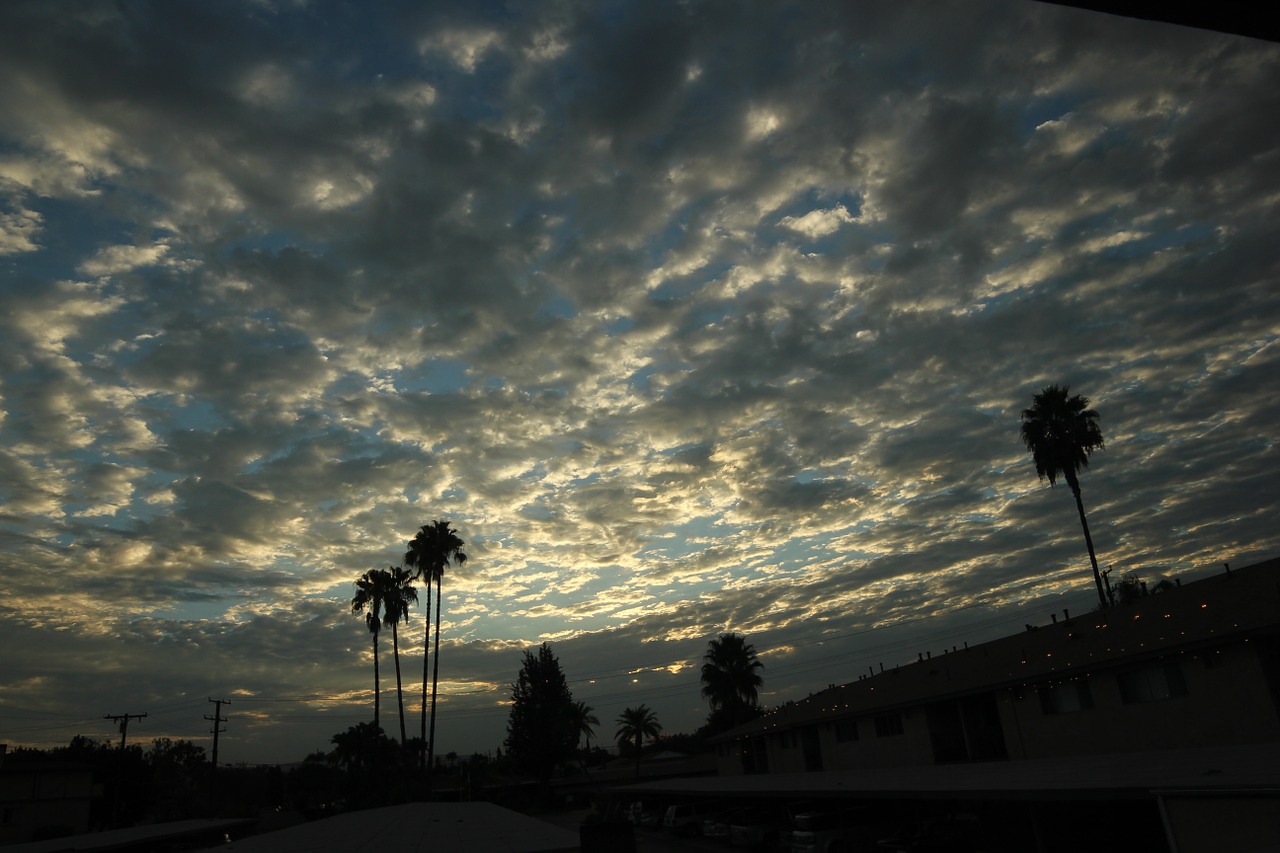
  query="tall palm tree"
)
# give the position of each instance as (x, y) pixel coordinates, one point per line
(431, 550)
(1061, 431)
(400, 593)
(371, 589)
(730, 681)
(636, 724)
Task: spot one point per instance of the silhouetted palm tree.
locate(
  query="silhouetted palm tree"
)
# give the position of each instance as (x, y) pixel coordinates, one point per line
(370, 599)
(636, 724)
(1061, 431)
(730, 682)
(431, 550)
(399, 595)
(584, 722)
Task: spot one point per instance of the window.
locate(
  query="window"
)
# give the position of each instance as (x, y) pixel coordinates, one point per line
(888, 725)
(1152, 683)
(1066, 698)
(789, 739)
(846, 731)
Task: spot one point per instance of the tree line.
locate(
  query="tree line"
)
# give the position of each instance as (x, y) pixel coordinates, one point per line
(546, 725)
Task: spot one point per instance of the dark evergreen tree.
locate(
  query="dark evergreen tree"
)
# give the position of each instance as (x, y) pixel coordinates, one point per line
(544, 725)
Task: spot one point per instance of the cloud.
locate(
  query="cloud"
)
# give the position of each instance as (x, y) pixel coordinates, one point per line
(691, 320)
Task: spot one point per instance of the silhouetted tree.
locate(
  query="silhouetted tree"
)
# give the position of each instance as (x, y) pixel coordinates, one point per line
(636, 724)
(370, 599)
(369, 760)
(543, 727)
(584, 722)
(431, 550)
(1132, 587)
(177, 769)
(730, 681)
(399, 595)
(1061, 431)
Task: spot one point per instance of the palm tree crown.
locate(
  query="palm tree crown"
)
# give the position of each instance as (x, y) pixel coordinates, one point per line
(1061, 431)
(730, 681)
(636, 724)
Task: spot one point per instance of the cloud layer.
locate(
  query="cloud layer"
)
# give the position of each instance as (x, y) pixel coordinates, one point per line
(691, 318)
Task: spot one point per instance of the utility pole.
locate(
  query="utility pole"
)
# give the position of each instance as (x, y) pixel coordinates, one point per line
(217, 719)
(123, 720)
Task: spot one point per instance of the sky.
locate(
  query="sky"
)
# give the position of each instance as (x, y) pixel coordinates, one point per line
(690, 317)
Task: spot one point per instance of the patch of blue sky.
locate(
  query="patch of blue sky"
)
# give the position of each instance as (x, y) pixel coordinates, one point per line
(385, 52)
(70, 232)
(437, 376)
(193, 413)
(274, 241)
(538, 511)
(640, 381)
(214, 610)
(349, 385)
(678, 541)
(558, 306)
(619, 325)
(794, 554)
(819, 198)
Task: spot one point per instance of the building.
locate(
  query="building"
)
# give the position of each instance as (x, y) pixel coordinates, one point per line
(1195, 666)
(1153, 725)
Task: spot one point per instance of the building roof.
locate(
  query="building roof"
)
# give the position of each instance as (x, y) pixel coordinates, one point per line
(1233, 605)
(1216, 770)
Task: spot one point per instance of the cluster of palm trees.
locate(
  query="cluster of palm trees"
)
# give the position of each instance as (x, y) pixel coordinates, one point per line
(384, 597)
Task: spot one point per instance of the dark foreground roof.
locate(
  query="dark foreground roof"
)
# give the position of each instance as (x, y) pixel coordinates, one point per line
(1252, 768)
(135, 837)
(473, 827)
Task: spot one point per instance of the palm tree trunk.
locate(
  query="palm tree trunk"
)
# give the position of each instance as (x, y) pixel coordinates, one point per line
(395, 647)
(1088, 540)
(377, 693)
(435, 682)
(426, 647)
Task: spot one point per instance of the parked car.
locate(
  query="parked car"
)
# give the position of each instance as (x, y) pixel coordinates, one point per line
(845, 831)
(758, 828)
(717, 825)
(640, 816)
(684, 818)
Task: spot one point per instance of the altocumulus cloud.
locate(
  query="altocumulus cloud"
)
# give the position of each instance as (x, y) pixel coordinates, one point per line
(690, 318)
